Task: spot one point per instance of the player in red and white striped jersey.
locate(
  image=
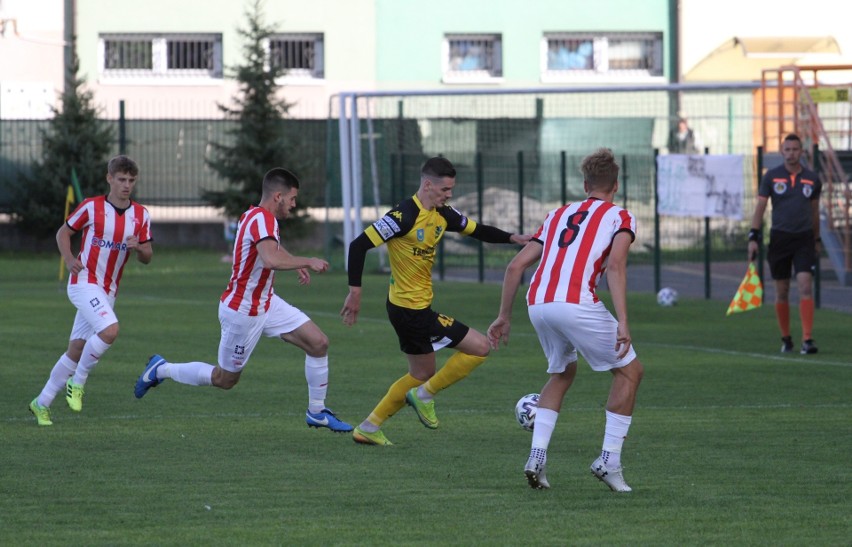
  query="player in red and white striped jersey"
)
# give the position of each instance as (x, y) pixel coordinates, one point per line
(113, 227)
(249, 308)
(574, 247)
(576, 240)
(250, 286)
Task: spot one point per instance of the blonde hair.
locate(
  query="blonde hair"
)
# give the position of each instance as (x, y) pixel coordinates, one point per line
(600, 170)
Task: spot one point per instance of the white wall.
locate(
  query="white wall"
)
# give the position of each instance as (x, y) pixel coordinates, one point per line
(705, 24)
(31, 57)
(31, 60)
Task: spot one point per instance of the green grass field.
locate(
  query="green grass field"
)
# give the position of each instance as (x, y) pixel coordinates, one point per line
(731, 444)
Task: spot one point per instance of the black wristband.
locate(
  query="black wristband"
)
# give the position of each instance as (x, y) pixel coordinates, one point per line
(754, 235)
(818, 239)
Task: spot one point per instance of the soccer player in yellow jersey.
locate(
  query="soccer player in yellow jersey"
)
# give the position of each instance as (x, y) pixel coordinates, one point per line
(412, 231)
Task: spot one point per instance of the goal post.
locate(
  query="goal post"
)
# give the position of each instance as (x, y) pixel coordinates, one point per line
(529, 143)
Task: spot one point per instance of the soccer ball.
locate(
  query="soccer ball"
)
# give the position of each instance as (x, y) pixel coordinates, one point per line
(667, 297)
(525, 410)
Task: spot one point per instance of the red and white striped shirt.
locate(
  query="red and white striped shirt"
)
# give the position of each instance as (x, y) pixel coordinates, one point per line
(577, 239)
(250, 287)
(105, 229)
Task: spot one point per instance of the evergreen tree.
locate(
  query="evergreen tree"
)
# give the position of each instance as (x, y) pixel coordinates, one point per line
(258, 142)
(75, 139)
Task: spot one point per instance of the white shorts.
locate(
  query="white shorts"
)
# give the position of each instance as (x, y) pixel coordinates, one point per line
(564, 329)
(241, 332)
(94, 310)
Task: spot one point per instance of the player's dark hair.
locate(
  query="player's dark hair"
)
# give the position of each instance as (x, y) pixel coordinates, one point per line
(122, 164)
(793, 137)
(437, 168)
(600, 170)
(278, 178)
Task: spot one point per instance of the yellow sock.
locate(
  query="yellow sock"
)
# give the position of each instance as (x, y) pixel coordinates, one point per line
(393, 400)
(457, 367)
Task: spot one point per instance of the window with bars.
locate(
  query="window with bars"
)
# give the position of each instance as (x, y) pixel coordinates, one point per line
(161, 55)
(188, 54)
(472, 57)
(128, 54)
(568, 55)
(300, 55)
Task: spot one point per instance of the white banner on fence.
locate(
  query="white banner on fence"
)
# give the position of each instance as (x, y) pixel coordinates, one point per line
(700, 186)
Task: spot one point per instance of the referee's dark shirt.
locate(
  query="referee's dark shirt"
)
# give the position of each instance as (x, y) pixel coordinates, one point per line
(791, 197)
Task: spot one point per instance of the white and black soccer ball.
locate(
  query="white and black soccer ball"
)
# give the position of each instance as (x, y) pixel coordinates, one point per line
(525, 410)
(667, 297)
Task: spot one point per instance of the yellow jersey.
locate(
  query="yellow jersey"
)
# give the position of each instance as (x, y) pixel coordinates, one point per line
(412, 234)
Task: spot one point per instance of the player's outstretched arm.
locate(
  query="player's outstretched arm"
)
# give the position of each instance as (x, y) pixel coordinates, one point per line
(526, 257)
(278, 258)
(491, 234)
(520, 239)
(355, 267)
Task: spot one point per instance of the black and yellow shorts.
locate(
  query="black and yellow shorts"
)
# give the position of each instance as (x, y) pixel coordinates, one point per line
(425, 331)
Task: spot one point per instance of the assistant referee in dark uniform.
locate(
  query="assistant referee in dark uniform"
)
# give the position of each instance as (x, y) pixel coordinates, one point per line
(793, 239)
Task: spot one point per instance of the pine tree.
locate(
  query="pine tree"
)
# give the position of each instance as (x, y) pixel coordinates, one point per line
(258, 142)
(77, 139)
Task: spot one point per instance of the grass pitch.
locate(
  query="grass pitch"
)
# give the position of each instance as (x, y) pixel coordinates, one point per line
(732, 443)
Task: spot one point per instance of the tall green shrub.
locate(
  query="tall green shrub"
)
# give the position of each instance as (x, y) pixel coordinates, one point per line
(257, 142)
(77, 139)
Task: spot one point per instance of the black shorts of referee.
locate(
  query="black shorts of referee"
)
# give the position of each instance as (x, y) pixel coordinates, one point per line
(791, 252)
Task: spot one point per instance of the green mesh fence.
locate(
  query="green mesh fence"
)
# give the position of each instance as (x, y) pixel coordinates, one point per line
(517, 155)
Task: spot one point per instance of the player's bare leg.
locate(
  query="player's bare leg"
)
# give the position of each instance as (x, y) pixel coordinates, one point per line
(619, 412)
(804, 284)
(549, 405)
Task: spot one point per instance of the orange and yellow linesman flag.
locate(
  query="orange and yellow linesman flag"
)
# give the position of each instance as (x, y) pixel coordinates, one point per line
(749, 295)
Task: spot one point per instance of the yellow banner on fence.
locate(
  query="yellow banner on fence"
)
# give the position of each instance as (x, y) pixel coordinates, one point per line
(829, 94)
(749, 295)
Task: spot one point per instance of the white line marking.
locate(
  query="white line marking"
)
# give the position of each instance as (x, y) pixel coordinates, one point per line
(797, 359)
(788, 359)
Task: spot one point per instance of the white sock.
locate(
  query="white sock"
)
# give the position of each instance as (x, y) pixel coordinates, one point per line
(194, 373)
(316, 373)
(540, 455)
(92, 352)
(368, 427)
(614, 435)
(545, 422)
(424, 395)
(62, 370)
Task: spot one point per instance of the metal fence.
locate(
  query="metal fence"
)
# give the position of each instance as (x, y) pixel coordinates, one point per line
(172, 156)
(517, 155)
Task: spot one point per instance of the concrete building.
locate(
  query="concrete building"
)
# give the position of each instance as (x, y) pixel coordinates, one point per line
(181, 53)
